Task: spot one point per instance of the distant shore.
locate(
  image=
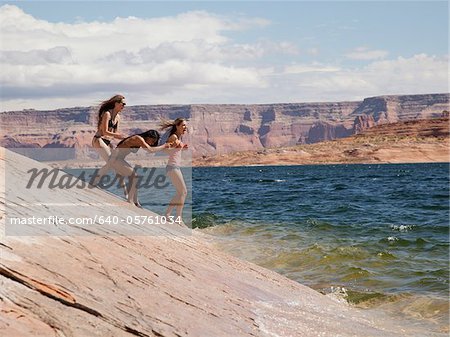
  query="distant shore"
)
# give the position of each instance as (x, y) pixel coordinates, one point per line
(343, 151)
(415, 141)
(419, 141)
(337, 152)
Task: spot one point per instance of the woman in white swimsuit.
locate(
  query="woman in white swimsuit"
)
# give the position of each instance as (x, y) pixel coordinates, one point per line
(173, 168)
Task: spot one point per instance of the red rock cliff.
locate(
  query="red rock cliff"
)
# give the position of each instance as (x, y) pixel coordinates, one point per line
(224, 128)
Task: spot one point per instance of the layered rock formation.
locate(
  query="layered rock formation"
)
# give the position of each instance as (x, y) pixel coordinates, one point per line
(224, 128)
(411, 141)
(141, 280)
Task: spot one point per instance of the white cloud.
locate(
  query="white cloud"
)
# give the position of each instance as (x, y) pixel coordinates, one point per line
(188, 58)
(161, 55)
(419, 72)
(365, 54)
(57, 55)
(309, 68)
(200, 51)
(317, 82)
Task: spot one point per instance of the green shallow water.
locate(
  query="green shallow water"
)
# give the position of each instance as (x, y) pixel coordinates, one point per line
(366, 277)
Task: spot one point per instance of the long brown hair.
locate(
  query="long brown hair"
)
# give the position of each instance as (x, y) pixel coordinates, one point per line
(173, 124)
(108, 105)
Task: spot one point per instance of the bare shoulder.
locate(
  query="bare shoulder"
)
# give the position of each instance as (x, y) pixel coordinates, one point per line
(138, 140)
(105, 117)
(172, 138)
(135, 140)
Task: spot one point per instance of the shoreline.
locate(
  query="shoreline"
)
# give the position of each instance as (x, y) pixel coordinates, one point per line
(337, 152)
(329, 164)
(69, 166)
(401, 305)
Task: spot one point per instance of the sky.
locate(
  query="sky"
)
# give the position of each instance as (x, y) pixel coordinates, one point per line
(60, 54)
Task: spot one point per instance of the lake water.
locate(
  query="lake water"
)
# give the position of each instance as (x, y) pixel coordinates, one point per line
(377, 235)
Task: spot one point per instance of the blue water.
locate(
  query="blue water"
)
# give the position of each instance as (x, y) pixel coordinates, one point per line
(381, 232)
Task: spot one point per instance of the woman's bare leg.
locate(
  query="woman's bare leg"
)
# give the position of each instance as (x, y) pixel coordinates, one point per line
(105, 152)
(125, 170)
(178, 200)
(124, 186)
(132, 195)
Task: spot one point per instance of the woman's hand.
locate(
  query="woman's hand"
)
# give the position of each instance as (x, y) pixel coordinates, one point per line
(119, 136)
(185, 147)
(176, 144)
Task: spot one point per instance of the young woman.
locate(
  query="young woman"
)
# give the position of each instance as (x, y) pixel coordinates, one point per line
(173, 169)
(148, 141)
(108, 124)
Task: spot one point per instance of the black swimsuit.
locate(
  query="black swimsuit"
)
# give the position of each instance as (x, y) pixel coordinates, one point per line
(110, 126)
(113, 126)
(133, 149)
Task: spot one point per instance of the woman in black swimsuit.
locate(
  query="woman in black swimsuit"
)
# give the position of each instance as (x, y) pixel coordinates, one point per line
(108, 123)
(148, 141)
